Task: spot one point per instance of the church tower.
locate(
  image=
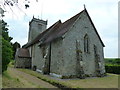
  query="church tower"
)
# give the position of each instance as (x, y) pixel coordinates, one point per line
(36, 26)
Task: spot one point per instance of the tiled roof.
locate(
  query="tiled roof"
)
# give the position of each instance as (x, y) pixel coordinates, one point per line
(42, 36)
(61, 29)
(57, 30)
(23, 53)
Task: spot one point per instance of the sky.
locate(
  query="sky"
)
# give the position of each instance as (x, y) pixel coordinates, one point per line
(104, 14)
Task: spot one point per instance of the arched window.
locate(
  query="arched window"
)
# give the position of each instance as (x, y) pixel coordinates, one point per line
(86, 43)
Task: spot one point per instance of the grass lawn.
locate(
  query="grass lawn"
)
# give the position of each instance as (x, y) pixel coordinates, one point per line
(110, 81)
(56, 82)
(10, 80)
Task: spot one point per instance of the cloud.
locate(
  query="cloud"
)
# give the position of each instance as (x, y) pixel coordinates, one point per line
(104, 14)
(21, 40)
(18, 29)
(111, 48)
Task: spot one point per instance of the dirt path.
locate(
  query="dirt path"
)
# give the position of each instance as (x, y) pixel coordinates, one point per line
(25, 78)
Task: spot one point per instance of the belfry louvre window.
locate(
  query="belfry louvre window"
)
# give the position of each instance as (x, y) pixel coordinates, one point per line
(86, 43)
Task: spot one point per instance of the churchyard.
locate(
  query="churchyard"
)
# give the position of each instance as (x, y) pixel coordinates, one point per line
(12, 81)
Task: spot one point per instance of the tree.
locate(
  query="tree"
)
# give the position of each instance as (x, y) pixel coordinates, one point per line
(5, 31)
(1, 12)
(7, 53)
(11, 3)
(15, 46)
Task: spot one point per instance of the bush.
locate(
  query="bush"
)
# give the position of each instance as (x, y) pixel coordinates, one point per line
(113, 69)
(117, 60)
(112, 61)
(12, 62)
(6, 54)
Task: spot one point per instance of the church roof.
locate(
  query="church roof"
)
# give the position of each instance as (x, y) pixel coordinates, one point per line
(43, 35)
(23, 53)
(57, 30)
(60, 29)
(53, 32)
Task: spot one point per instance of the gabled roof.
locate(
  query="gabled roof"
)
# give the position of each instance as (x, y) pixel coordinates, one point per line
(43, 35)
(23, 53)
(53, 32)
(61, 29)
(57, 30)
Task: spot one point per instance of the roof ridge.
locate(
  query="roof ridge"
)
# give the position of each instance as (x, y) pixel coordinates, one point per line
(68, 23)
(56, 30)
(74, 16)
(51, 30)
(37, 38)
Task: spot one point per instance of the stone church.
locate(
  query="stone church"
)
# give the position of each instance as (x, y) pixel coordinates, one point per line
(66, 49)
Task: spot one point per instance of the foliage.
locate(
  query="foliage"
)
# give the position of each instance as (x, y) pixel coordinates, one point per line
(112, 65)
(1, 12)
(11, 3)
(112, 69)
(6, 74)
(113, 61)
(5, 31)
(11, 64)
(7, 53)
(15, 46)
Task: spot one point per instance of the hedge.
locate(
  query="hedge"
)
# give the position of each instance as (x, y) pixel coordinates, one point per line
(112, 61)
(115, 69)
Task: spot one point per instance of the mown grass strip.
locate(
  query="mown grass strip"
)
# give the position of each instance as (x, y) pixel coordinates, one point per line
(109, 81)
(56, 83)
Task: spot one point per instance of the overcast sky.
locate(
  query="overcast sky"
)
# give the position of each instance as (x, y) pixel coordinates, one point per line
(104, 14)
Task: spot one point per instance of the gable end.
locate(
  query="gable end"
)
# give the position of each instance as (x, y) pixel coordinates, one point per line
(94, 28)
